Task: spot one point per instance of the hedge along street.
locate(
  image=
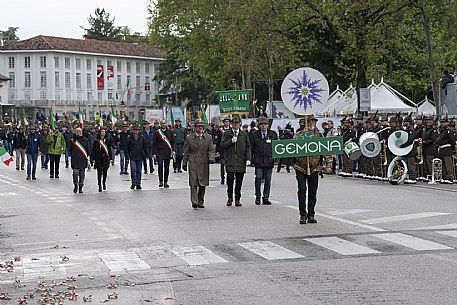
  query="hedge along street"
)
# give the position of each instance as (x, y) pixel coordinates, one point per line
(307, 147)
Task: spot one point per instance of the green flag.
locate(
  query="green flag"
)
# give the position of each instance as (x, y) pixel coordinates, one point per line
(52, 122)
(172, 119)
(204, 118)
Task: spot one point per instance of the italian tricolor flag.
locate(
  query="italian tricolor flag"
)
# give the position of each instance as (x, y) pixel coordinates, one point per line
(5, 156)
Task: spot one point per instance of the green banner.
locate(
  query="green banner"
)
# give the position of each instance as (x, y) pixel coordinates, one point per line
(234, 101)
(307, 147)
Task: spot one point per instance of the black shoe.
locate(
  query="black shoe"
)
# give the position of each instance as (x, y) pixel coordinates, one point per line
(201, 206)
(179, 171)
(17, 168)
(160, 184)
(151, 171)
(195, 206)
(237, 203)
(257, 200)
(229, 202)
(222, 181)
(28, 178)
(311, 219)
(51, 176)
(126, 173)
(174, 171)
(146, 172)
(33, 178)
(288, 170)
(75, 189)
(66, 165)
(104, 186)
(265, 201)
(81, 190)
(138, 187)
(166, 185)
(302, 220)
(57, 176)
(99, 188)
(132, 186)
(22, 168)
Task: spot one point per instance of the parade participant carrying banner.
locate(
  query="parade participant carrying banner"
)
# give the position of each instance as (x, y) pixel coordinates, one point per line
(305, 92)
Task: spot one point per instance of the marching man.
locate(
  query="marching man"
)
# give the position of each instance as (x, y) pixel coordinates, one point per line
(79, 152)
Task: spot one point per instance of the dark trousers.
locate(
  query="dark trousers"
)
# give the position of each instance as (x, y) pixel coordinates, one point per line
(236, 178)
(347, 164)
(31, 164)
(177, 164)
(54, 162)
(377, 165)
(285, 161)
(411, 161)
(222, 162)
(197, 195)
(307, 187)
(448, 168)
(428, 165)
(263, 173)
(44, 161)
(135, 171)
(164, 169)
(124, 161)
(102, 172)
(78, 176)
(151, 163)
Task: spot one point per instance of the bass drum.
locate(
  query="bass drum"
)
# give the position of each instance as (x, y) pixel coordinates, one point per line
(397, 171)
(352, 150)
(370, 146)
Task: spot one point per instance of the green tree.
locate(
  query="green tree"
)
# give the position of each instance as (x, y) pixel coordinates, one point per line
(102, 27)
(9, 35)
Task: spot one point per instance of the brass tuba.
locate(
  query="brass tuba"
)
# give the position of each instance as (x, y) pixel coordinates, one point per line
(420, 153)
(397, 171)
(437, 171)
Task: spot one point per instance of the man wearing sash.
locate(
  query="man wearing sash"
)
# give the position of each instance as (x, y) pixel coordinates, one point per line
(79, 153)
(101, 157)
(198, 154)
(163, 149)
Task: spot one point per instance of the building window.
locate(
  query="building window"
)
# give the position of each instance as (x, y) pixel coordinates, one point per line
(108, 63)
(27, 96)
(90, 97)
(146, 68)
(138, 81)
(57, 95)
(43, 95)
(42, 61)
(129, 81)
(78, 80)
(27, 62)
(138, 68)
(129, 96)
(27, 80)
(67, 63)
(129, 68)
(146, 81)
(89, 80)
(12, 95)
(67, 80)
(99, 61)
(79, 96)
(119, 82)
(78, 63)
(57, 79)
(11, 62)
(43, 80)
(88, 64)
(13, 80)
(100, 96)
(110, 96)
(137, 98)
(56, 62)
(119, 66)
(148, 97)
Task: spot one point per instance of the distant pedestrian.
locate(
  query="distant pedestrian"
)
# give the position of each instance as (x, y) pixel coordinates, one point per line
(44, 147)
(263, 160)
(237, 153)
(79, 153)
(163, 149)
(19, 144)
(148, 136)
(123, 138)
(32, 150)
(180, 134)
(219, 150)
(135, 150)
(198, 154)
(68, 135)
(101, 157)
(56, 147)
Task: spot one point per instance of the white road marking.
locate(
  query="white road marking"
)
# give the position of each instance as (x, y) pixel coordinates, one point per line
(448, 233)
(348, 211)
(118, 261)
(269, 250)
(440, 227)
(411, 241)
(197, 255)
(402, 217)
(45, 266)
(341, 246)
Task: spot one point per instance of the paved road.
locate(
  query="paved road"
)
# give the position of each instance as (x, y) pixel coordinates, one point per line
(373, 244)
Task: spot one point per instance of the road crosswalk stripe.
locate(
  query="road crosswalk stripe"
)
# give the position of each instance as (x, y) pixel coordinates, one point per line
(402, 217)
(341, 246)
(118, 261)
(269, 250)
(440, 227)
(197, 255)
(48, 267)
(411, 241)
(448, 233)
(339, 212)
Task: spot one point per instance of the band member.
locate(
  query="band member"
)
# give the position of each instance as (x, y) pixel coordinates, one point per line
(411, 157)
(32, 149)
(135, 150)
(56, 147)
(219, 150)
(307, 171)
(101, 158)
(180, 134)
(148, 137)
(79, 154)
(419, 130)
(445, 143)
(163, 149)
(263, 160)
(237, 153)
(394, 124)
(198, 154)
(429, 137)
(363, 161)
(348, 134)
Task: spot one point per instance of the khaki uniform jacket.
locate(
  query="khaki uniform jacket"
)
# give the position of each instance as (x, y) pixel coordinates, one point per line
(236, 154)
(315, 162)
(197, 154)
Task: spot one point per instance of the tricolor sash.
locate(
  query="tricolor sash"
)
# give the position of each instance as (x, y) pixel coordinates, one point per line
(165, 139)
(80, 147)
(104, 147)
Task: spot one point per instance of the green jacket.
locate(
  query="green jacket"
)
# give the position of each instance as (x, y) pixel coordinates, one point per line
(58, 147)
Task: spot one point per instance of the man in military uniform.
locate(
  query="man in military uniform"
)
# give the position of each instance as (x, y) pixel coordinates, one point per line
(348, 135)
(418, 131)
(360, 129)
(198, 154)
(180, 134)
(411, 157)
(429, 137)
(445, 143)
(307, 171)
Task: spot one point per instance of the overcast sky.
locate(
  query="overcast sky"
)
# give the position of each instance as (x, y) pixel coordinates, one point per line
(63, 18)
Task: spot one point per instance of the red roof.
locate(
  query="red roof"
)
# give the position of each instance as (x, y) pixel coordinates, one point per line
(86, 45)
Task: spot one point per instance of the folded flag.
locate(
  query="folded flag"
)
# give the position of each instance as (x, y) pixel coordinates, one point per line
(5, 156)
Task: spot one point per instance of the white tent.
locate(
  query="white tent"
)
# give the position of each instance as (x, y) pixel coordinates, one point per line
(333, 98)
(426, 107)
